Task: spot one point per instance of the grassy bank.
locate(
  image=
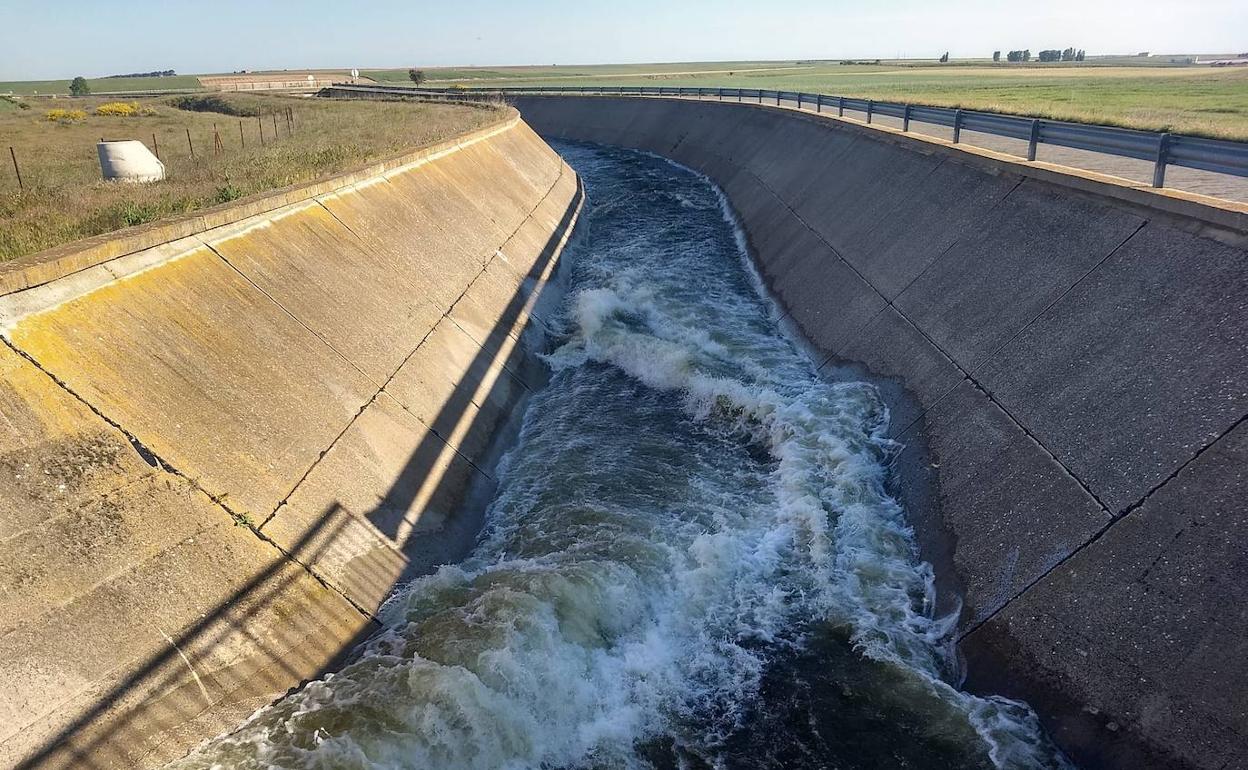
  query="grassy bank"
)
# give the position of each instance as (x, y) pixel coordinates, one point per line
(1151, 94)
(64, 198)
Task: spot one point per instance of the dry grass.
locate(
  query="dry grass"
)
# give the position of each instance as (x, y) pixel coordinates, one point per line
(64, 198)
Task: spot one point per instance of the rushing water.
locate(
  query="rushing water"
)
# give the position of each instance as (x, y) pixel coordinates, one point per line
(691, 560)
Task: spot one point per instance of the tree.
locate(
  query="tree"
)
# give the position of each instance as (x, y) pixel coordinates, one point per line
(945, 59)
(1068, 54)
(416, 76)
(1050, 54)
(996, 56)
(1026, 54)
(78, 86)
(1079, 56)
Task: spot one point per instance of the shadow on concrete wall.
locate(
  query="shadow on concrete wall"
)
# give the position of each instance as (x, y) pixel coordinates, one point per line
(158, 713)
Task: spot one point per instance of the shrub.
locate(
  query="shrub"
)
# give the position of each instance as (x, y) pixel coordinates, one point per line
(237, 107)
(65, 116)
(133, 214)
(118, 109)
(78, 86)
(228, 193)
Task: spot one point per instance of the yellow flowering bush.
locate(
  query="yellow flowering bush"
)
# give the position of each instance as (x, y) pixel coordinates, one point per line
(118, 109)
(64, 116)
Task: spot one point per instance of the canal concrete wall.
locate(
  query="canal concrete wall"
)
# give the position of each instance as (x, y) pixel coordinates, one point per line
(223, 439)
(1066, 362)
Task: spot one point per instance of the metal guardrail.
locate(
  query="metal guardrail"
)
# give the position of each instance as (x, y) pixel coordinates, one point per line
(1162, 149)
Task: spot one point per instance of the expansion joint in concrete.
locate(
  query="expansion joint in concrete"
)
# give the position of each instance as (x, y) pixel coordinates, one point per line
(390, 378)
(152, 458)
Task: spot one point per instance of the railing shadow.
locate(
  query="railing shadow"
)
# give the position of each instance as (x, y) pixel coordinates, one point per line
(172, 700)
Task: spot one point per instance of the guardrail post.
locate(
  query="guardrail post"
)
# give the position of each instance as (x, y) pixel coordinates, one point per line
(840, 106)
(799, 100)
(777, 98)
(738, 94)
(870, 109)
(760, 96)
(905, 120)
(1035, 140)
(721, 94)
(1163, 157)
(818, 102)
(957, 126)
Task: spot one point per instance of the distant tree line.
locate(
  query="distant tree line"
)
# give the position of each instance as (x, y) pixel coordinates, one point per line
(1048, 55)
(155, 74)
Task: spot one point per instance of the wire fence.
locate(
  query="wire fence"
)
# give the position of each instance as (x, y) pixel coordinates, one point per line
(197, 143)
(1161, 149)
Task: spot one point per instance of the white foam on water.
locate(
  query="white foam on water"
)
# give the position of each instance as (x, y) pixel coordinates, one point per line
(582, 626)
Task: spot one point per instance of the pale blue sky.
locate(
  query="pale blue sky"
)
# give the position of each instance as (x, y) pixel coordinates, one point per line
(62, 38)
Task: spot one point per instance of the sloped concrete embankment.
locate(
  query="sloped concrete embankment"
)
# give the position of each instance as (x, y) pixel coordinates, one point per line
(1065, 361)
(222, 440)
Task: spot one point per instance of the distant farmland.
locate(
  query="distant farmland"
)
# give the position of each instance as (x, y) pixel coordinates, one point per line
(1150, 94)
(103, 85)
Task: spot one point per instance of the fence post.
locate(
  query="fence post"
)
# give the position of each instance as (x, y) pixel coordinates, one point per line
(1163, 157)
(260, 123)
(275, 136)
(1035, 140)
(870, 109)
(189, 143)
(905, 120)
(242, 140)
(155, 147)
(840, 106)
(957, 126)
(16, 170)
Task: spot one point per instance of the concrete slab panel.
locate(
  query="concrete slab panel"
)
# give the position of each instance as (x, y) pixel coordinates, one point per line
(1140, 366)
(389, 489)
(827, 300)
(922, 221)
(1034, 246)
(367, 304)
(858, 191)
(202, 630)
(1013, 512)
(460, 390)
(1134, 648)
(910, 373)
(203, 390)
(55, 454)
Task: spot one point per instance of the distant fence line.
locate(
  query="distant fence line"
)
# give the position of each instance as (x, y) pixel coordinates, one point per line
(1162, 149)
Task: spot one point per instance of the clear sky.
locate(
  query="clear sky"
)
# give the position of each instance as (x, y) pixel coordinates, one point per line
(61, 38)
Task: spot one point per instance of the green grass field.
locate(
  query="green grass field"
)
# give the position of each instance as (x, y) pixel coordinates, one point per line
(1153, 94)
(64, 198)
(103, 85)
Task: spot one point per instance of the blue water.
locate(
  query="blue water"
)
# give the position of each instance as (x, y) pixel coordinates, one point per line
(690, 562)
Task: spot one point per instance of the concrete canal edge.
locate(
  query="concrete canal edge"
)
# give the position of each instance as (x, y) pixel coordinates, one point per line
(224, 438)
(1065, 359)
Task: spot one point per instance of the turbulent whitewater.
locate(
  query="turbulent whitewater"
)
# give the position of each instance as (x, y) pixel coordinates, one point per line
(691, 560)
